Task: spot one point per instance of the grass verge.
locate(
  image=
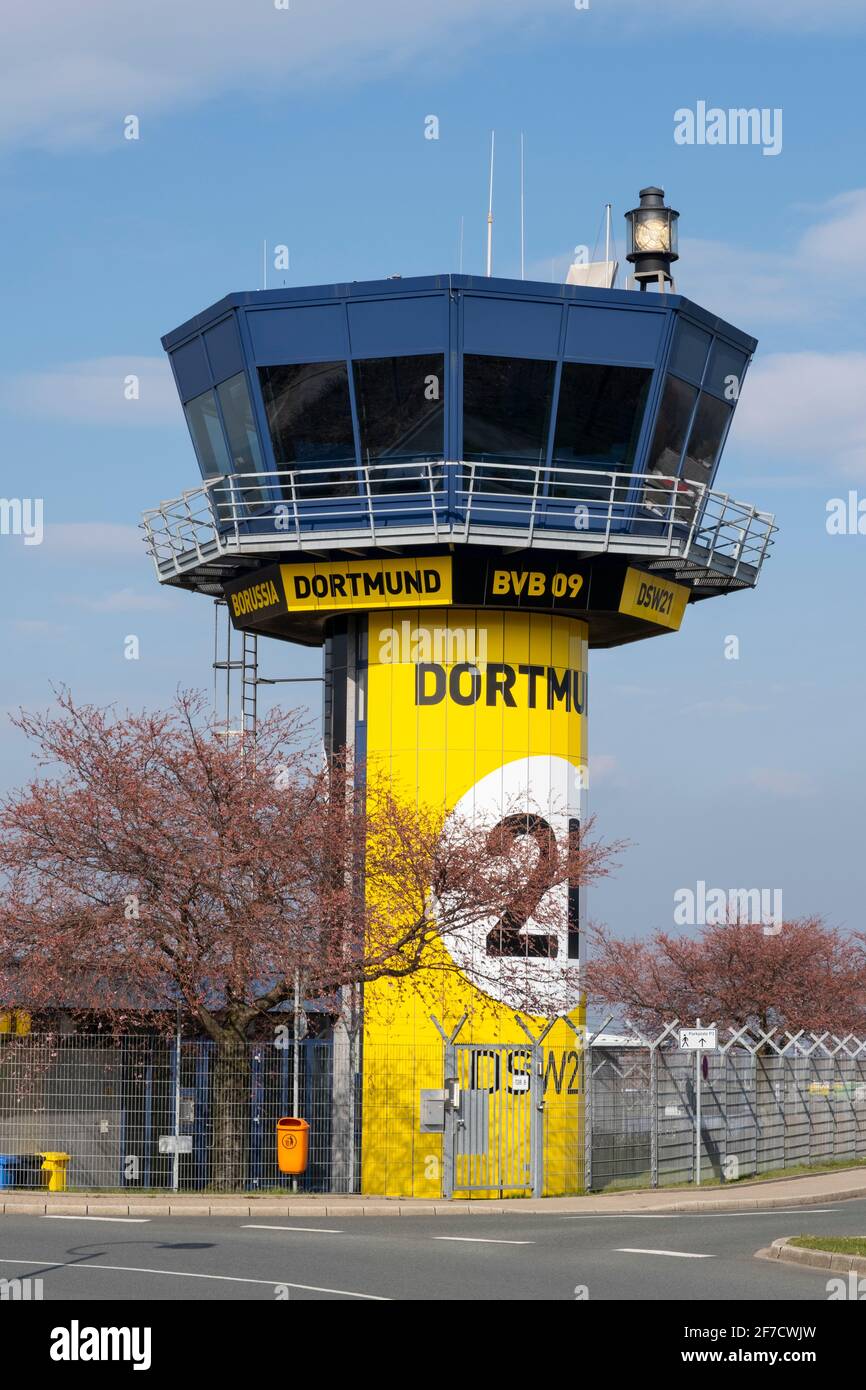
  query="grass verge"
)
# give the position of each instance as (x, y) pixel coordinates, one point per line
(837, 1245)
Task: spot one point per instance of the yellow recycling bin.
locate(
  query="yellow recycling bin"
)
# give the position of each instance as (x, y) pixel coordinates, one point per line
(293, 1144)
(55, 1166)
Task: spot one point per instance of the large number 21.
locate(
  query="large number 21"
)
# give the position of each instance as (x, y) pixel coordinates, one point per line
(509, 937)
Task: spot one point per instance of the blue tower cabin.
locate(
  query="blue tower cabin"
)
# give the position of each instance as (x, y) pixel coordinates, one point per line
(463, 416)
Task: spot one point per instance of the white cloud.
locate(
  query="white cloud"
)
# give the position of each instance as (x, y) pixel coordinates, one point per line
(808, 406)
(726, 708)
(779, 781)
(38, 627)
(818, 276)
(602, 766)
(71, 76)
(92, 541)
(123, 601)
(836, 243)
(96, 392)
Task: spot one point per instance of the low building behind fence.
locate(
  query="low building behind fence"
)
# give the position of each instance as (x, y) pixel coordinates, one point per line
(147, 1113)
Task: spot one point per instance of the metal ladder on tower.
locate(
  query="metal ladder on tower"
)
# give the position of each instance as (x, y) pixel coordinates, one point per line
(246, 665)
(250, 684)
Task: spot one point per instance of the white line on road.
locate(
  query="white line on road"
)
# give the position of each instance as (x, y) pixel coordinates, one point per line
(222, 1278)
(687, 1215)
(774, 1211)
(308, 1230)
(677, 1254)
(481, 1240)
(128, 1220)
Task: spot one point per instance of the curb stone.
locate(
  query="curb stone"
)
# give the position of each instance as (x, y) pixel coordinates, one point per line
(632, 1204)
(812, 1259)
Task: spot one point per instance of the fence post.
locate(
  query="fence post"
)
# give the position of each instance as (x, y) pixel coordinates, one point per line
(587, 1118)
(175, 1162)
(653, 1046)
(451, 1079)
(756, 1109)
(654, 1117)
(587, 1098)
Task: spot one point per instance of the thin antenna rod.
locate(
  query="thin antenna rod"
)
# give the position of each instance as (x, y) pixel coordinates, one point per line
(522, 210)
(490, 208)
(607, 233)
(265, 264)
(460, 246)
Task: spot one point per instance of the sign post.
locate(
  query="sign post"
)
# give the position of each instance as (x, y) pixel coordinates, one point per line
(698, 1040)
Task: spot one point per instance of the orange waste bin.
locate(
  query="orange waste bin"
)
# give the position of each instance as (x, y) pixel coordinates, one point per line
(293, 1145)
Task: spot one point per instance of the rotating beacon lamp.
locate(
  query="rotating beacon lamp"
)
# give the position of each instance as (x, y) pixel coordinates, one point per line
(458, 487)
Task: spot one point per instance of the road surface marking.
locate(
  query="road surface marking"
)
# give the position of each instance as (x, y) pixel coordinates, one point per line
(773, 1211)
(687, 1215)
(677, 1254)
(129, 1220)
(222, 1278)
(312, 1230)
(482, 1240)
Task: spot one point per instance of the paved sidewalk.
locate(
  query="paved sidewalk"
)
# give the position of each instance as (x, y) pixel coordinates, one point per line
(782, 1192)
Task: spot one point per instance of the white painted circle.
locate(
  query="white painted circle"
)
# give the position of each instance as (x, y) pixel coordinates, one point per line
(549, 787)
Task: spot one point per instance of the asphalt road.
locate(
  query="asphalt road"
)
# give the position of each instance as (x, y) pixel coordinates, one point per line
(520, 1257)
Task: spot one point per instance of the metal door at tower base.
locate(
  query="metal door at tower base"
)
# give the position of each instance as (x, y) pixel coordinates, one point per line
(496, 1141)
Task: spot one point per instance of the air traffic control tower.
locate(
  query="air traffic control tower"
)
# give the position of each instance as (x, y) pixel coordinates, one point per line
(459, 487)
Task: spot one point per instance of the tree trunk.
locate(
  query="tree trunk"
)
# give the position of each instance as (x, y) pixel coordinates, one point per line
(231, 1115)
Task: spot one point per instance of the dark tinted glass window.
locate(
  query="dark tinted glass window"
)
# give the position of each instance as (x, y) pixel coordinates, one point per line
(689, 355)
(674, 415)
(726, 370)
(207, 435)
(401, 419)
(310, 423)
(246, 455)
(506, 419)
(672, 426)
(598, 421)
(705, 440)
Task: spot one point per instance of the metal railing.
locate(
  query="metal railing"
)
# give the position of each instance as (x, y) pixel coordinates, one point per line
(586, 509)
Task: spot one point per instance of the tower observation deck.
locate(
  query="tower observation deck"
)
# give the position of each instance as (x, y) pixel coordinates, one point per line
(464, 416)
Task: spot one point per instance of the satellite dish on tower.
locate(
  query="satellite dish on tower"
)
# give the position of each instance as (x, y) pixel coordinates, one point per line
(596, 274)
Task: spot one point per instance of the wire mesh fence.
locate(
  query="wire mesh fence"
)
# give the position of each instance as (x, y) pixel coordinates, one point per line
(152, 1113)
(116, 1106)
(760, 1103)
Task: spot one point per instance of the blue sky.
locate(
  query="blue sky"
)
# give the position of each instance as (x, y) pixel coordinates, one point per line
(306, 127)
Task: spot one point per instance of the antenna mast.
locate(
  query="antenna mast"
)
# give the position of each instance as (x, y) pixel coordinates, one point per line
(522, 211)
(490, 208)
